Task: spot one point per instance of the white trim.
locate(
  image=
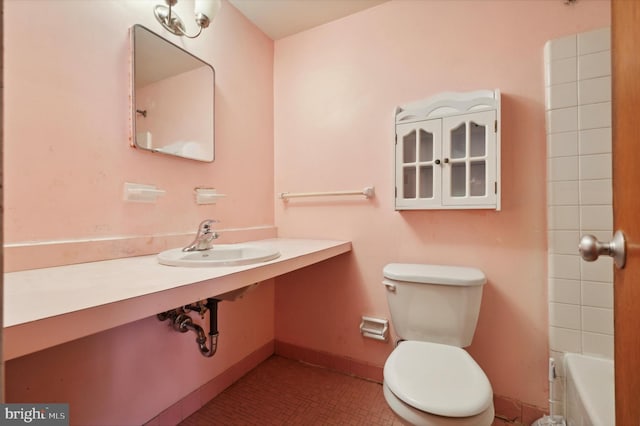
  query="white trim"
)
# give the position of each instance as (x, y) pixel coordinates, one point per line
(447, 104)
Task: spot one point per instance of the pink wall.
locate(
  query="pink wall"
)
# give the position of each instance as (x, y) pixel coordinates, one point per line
(66, 158)
(336, 87)
(67, 151)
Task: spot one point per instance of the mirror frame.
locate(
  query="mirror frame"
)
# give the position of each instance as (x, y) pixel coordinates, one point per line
(132, 104)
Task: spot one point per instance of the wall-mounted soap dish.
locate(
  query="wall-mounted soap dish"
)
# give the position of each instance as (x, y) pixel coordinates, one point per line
(141, 193)
(207, 195)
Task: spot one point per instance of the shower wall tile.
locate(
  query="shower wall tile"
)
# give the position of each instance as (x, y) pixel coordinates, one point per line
(594, 90)
(593, 116)
(596, 192)
(597, 294)
(600, 271)
(560, 48)
(594, 41)
(562, 120)
(594, 65)
(562, 144)
(600, 235)
(596, 217)
(564, 217)
(597, 320)
(579, 128)
(563, 242)
(595, 141)
(597, 344)
(562, 95)
(565, 316)
(564, 340)
(596, 166)
(562, 71)
(564, 266)
(565, 291)
(563, 193)
(563, 168)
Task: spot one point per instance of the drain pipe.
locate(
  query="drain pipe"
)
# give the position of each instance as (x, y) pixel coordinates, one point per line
(212, 305)
(182, 322)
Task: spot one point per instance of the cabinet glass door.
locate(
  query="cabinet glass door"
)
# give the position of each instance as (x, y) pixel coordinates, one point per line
(469, 151)
(418, 163)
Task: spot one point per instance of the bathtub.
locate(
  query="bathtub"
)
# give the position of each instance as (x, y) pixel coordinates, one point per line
(589, 390)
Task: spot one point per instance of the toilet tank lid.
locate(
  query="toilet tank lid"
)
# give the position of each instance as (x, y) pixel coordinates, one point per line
(434, 274)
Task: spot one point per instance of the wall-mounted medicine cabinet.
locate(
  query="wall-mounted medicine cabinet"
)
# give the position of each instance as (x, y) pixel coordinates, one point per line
(447, 152)
(172, 98)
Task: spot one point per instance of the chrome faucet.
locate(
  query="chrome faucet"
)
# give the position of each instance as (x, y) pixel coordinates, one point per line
(204, 238)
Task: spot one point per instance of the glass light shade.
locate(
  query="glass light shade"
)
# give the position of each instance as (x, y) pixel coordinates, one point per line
(209, 8)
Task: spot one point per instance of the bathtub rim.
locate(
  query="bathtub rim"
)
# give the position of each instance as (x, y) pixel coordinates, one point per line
(595, 389)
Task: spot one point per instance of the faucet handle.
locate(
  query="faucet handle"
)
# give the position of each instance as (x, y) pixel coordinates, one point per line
(204, 236)
(205, 225)
(206, 232)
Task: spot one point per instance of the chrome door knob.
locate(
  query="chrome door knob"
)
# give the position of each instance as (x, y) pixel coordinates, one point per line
(590, 248)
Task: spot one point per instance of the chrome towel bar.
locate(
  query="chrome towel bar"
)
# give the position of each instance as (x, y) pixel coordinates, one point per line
(368, 192)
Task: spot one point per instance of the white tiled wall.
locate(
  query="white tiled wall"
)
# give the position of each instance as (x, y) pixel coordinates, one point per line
(578, 103)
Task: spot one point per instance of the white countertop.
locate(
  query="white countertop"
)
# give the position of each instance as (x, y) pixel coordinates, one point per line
(63, 303)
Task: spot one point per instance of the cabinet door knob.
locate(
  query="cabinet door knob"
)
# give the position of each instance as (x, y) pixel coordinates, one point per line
(437, 161)
(446, 160)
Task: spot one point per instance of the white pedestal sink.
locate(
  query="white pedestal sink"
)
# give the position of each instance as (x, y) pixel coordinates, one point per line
(219, 255)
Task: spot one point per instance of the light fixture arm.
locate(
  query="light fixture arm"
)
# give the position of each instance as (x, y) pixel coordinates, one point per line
(172, 22)
(193, 36)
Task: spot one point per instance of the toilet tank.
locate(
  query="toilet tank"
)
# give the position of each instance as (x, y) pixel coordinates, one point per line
(434, 303)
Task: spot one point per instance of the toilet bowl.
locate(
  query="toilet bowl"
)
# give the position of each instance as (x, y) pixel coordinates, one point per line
(433, 384)
(429, 379)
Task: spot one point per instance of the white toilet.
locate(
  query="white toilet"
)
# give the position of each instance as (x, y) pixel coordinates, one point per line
(428, 378)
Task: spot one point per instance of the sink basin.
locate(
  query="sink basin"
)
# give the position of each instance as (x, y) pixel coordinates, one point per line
(219, 255)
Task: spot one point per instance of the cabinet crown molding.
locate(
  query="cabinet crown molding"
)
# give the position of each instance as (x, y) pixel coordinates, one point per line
(447, 104)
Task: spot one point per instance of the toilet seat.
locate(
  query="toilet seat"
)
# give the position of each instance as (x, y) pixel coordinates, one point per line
(414, 417)
(438, 379)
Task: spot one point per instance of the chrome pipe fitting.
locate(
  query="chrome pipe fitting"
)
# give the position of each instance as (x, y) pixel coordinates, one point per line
(213, 346)
(181, 321)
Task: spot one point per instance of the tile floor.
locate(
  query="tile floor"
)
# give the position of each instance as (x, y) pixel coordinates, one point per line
(281, 391)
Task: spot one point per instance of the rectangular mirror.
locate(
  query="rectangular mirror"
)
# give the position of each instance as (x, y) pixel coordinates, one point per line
(172, 98)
